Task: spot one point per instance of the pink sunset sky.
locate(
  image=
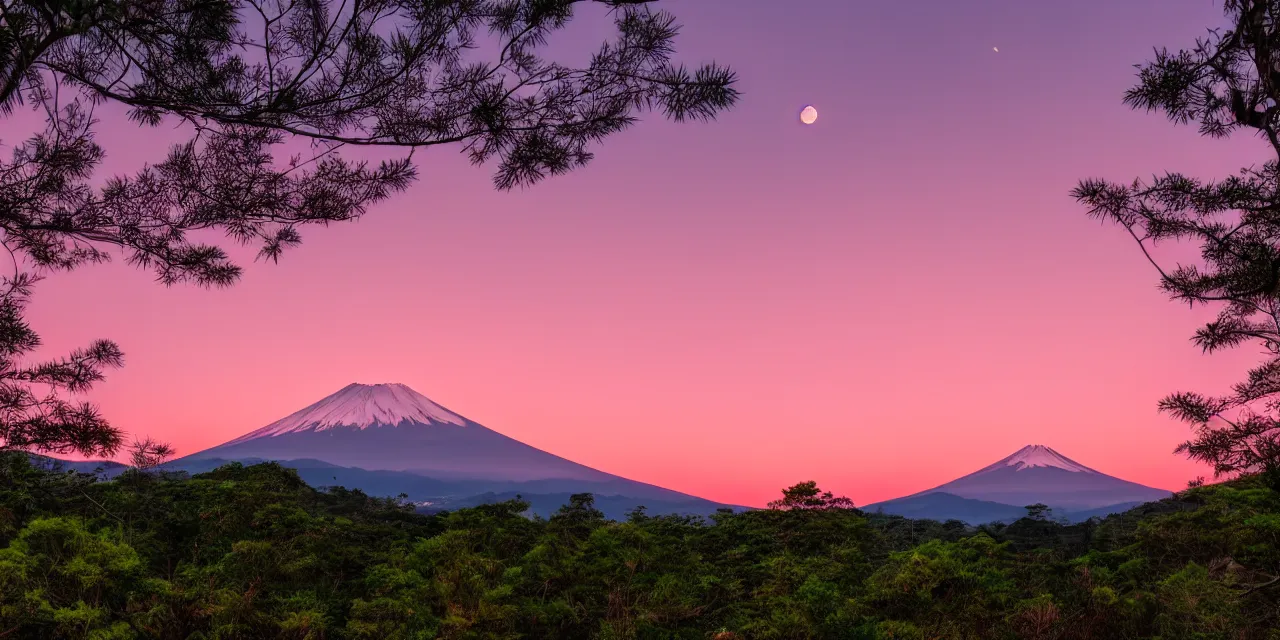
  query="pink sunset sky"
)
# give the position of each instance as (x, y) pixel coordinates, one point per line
(900, 294)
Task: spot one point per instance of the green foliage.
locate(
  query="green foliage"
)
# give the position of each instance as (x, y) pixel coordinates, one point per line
(252, 552)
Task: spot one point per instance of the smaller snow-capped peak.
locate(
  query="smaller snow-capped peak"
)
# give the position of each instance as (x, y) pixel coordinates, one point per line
(362, 406)
(1038, 455)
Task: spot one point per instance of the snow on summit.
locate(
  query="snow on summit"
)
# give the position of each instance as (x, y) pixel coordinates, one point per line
(1038, 455)
(361, 406)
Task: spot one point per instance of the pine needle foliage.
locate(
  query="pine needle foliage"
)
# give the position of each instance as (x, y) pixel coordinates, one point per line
(1228, 83)
(275, 96)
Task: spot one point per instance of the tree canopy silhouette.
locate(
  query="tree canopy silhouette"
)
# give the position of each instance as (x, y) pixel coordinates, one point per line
(807, 496)
(246, 77)
(1229, 82)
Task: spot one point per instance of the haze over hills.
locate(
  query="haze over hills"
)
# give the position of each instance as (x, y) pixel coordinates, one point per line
(387, 439)
(104, 469)
(1032, 474)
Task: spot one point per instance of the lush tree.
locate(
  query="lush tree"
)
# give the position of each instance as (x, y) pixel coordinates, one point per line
(57, 575)
(968, 582)
(244, 78)
(254, 552)
(1038, 511)
(807, 495)
(1228, 83)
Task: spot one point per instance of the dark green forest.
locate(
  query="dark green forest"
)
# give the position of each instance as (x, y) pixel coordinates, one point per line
(253, 552)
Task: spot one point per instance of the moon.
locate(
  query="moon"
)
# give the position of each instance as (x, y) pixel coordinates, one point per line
(809, 115)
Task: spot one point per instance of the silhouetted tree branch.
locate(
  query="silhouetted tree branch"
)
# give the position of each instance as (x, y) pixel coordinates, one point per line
(148, 453)
(245, 78)
(807, 496)
(1229, 81)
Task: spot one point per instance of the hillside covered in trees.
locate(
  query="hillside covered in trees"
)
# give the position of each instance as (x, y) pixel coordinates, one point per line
(253, 552)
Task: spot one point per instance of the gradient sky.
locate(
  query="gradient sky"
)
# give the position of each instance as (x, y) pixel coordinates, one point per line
(893, 297)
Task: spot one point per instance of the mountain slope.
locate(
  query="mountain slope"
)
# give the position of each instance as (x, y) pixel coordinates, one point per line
(614, 507)
(1033, 474)
(104, 469)
(361, 406)
(389, 427)
(1037, 473)
(614, 498)
(386, 436)
(946, 506)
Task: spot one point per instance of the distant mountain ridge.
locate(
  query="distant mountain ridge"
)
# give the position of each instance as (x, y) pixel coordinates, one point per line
(1033, 474)
(945, 506)
(104, 469)
(388, 440)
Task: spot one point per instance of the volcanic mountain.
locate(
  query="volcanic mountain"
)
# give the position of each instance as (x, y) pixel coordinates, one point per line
(388, 439)
(1033, 474)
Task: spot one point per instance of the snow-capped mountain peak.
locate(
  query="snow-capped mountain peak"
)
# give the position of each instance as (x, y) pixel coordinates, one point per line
(362, 406)
(1038, 455)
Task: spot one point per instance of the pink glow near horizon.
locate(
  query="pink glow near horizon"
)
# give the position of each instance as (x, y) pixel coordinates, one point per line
(895, 296)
